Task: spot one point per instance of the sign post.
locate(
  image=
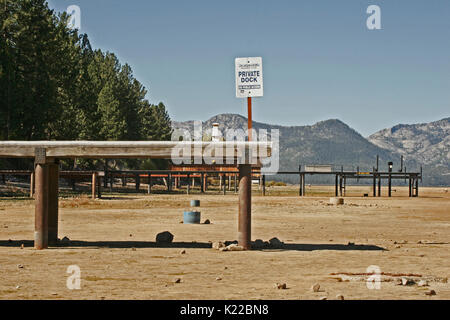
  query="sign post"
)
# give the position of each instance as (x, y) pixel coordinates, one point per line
(249, 83)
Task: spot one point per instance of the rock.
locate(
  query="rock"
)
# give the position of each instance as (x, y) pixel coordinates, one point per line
(340, 297)
(164, 237)
(315, 287)
(351, 244)
(207, 221)
(225, 268)
(281, 286)
(22, 246)
(323, 298)
(337, 201)
(408, 282)
(177, 280)
(423, 283)
(276, 243)
(430, 293)
(218, 278)
(235, 247)
(20, 266)
(65, 240)
(131, 235)
(218, 245)
(133, 249)
(398, 246)
(18, 287)
(183, 252)
(9, 240)
(224, 249)
(258, 244)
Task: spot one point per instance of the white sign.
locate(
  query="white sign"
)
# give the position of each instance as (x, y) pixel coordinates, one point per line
(249, 77)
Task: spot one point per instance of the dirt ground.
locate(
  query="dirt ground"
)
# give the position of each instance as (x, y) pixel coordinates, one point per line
(113, 243)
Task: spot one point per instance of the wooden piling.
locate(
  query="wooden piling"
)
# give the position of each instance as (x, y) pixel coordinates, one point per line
(245, 206)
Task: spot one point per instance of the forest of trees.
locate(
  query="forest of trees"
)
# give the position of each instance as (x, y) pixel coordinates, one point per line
(54, 86)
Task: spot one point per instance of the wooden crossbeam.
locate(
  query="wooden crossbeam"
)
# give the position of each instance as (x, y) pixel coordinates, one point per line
(128, 149)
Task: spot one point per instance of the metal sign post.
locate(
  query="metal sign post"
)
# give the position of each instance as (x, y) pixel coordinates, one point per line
(249, 83)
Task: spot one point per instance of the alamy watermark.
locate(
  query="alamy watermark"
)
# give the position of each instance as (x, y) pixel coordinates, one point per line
(231, 148)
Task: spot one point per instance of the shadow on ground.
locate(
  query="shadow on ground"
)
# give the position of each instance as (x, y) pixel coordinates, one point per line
(73, 244)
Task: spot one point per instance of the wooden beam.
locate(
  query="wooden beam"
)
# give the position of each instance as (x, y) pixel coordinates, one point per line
(129, 149)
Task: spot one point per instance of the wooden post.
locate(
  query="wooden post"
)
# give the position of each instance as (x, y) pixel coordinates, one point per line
(41, 207)
(149, 189)
(202, 182)
(374, 184)
(224, 185)
(263, 185)
(94, 185)
(205, 182)
(417, 187)
(300, 191)
(340, 186)
(32, 185)
(138, 182)
(53, 186)
(245, 206)
(336, 186)
(304, 185)
(188, 184)
(235, 183)
(99, 187)
(379, 185)
(409, 187)
(390, 185)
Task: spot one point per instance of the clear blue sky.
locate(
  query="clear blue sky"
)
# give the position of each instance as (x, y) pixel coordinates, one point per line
(320, 60)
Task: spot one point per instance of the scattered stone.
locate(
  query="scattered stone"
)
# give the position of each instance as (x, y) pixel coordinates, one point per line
(218, 278)
(323, 298)
(281, 286)
(423, 283)
(340, 297)
(225, 268)
(65, 240)
(337, 201)
(207, 221)
(430, 293)
(258, 244)
(235, 247)
(177, 280)
(276, 243)
(218, 245)
(398, 246)
(131, 235)
(408, 282)
(183, 252)
(351, 244)
(18, 287)
(224, 249)
(164, 237)
(315, 287)
(133, 249)
(54, 294)
(22, 246)
(20, 266)
(181, 222)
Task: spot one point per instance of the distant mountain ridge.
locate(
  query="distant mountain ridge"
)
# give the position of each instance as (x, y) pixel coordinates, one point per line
(334, 142)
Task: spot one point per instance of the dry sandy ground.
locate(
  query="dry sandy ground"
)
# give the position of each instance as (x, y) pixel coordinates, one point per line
(113, 244)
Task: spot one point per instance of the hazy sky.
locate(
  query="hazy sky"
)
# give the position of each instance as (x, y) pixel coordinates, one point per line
(320, 60)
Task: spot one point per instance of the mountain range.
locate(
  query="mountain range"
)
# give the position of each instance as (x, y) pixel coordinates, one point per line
(333, 142)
